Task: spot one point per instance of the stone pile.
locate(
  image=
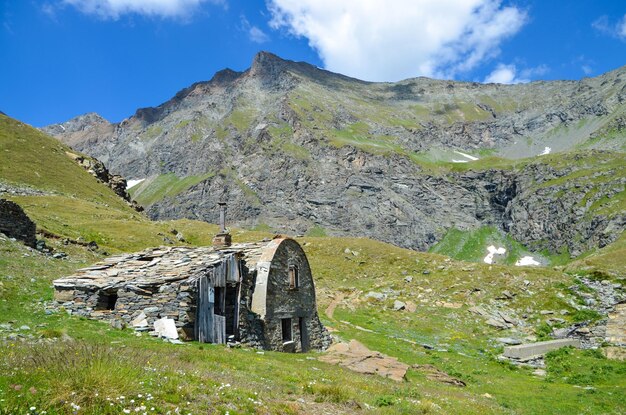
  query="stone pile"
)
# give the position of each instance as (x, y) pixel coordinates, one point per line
(98, 170)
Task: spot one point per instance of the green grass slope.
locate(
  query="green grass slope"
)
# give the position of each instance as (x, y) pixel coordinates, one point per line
(31, 158)
(106, 371)
(472, 245)
(102, 365)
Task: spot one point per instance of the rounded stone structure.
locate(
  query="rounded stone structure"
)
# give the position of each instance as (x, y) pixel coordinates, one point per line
(284, 298)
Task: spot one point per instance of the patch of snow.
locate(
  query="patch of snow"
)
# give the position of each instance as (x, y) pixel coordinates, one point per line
(467, 156)
(133, 183)
(526, 261)
(62, 127)
(546, 151)
(493, 251)
(459, 161)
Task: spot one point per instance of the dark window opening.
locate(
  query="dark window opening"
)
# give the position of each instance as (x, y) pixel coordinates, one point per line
(286, 328)
(231, 309)
(106, 300)
(219, 299)
(293, 277)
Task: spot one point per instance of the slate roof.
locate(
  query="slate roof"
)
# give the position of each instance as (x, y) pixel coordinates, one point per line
(155, 266)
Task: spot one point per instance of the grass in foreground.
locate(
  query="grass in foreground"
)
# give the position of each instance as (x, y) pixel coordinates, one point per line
(105, 363)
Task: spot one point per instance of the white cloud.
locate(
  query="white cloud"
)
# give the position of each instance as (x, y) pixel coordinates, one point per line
(257, 35)
(535, 72)
(254, 33)
(504, 74)
(113, 9)
(509, 74)
(621, 28)
(603, 25)
(382, 40)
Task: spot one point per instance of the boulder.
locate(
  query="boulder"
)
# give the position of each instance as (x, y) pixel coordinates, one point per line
(398, 305)
(376, 295)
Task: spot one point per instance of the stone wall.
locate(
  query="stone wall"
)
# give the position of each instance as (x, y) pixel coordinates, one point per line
(268, 306)
(14, 223)
(295, 303)
(174, 300)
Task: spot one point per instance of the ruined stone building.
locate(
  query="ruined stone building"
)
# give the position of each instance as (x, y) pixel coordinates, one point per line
(261, 294)
(15, 224)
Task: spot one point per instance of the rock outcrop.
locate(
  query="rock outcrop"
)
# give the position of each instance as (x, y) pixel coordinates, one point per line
(98, 170)
(355, 356)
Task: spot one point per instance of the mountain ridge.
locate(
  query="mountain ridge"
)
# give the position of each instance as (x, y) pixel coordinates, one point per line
(297, 148)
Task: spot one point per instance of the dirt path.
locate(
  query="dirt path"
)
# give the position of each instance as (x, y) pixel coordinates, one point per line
(330, 310)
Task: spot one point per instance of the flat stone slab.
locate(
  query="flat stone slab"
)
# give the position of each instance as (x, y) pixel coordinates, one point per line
(524, 351)
(166, 327)
(432, 373)
(355, 356)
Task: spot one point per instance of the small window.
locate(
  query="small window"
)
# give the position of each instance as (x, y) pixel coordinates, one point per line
(286, 328)
(106, 300)
(293, 277)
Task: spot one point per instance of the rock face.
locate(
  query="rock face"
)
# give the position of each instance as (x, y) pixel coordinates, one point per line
(14, 223)
(98, 170)
(294, 147)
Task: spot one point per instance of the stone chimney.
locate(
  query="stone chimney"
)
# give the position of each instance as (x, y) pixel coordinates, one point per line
(223, 238)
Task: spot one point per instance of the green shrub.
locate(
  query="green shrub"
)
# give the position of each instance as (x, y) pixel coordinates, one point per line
(385, 400)
(585, 315)
(543, 331)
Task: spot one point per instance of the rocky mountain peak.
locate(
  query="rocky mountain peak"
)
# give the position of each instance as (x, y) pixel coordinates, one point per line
(225, 76)
(82, 122)
(266, 65)
(311, 148)
(267, 60)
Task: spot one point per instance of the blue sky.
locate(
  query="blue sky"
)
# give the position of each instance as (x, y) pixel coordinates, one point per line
(62, 58)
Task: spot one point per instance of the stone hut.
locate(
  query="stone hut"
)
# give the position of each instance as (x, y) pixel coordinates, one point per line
(260, 294)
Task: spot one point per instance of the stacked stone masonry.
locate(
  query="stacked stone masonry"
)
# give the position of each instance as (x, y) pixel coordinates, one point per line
(244, 292)
(14, 223)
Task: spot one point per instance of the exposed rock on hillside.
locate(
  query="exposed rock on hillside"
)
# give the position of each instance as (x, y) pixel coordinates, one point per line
(98, 170)
(294, 147)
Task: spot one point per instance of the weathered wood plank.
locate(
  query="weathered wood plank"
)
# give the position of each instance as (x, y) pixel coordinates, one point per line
(204, 312)
(219, 329)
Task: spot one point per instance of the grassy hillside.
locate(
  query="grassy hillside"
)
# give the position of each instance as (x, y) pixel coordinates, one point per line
(106, 371)
(33, 159)
(106, 363)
